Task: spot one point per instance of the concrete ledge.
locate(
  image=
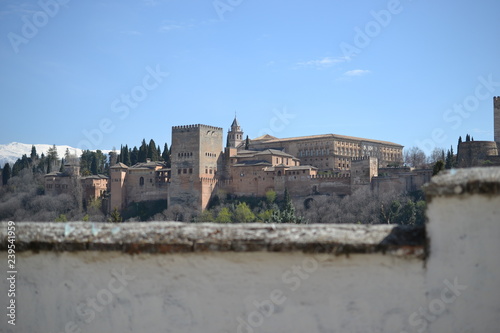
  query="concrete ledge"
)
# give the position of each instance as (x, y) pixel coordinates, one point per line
(174, 237)
(464, 181)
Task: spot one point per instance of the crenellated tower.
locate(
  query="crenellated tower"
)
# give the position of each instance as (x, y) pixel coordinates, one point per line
(196, 162)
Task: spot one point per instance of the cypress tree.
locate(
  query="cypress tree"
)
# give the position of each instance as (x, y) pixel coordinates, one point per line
(126, 156)
(247, 143)
(166, 155)
(6, 173)
(93, 165)
(134, 156)
(152, 152)
(33, 155)
(143, 152)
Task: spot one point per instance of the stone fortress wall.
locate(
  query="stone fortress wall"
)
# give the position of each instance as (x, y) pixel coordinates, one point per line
(482, 153)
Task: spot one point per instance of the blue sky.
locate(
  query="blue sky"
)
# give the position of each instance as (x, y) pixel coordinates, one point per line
(97, 74)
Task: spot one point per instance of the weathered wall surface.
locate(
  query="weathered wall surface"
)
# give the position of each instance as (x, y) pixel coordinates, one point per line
(463, 268)
(215, 292)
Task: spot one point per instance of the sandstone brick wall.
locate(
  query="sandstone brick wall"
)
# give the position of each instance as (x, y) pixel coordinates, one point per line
(474, 153)
(196, 153)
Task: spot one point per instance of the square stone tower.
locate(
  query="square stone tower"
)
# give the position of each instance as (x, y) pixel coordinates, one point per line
(196, 162)
(496, 123)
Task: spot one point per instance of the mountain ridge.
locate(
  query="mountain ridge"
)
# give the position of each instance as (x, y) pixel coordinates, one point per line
(10, 152)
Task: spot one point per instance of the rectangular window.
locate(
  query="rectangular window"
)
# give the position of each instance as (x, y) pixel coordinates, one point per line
(179, 171)
(190, 170)
(184, 170)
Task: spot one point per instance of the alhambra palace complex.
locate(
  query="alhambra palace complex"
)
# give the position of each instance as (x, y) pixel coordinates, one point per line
(202, 167)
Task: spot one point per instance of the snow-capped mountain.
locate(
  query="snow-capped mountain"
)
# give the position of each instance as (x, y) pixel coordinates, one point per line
(12, 151)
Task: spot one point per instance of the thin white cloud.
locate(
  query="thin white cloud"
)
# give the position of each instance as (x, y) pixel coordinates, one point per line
(131, 32)
(168, 25)
(356, 72)
(322, 63)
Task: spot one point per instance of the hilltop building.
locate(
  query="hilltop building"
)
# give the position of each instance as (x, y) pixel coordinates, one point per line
(203, 166)
(92, 187)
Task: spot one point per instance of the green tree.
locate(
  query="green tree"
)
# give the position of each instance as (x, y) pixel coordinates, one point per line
(6, 173)
(438, 166)
(407, 214)
(166, 155)
(134, 156)
(247, 143)
(52, 158)
(224, 216)
(61, 218)
(93, 165)
(143, 152)
(450, 159)
(126, 156)
(420, 208)
(205, 216)
(243, 213)
(33, 155)
(115, 216)
(152, 153)
(266, 215)
(270, 197)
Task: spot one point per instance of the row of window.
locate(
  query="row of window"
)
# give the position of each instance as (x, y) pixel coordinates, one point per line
(317, 152)
(141, 181)
(184, 171)
(211, 154)
(185, 154)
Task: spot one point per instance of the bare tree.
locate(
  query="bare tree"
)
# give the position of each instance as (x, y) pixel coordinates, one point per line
(415, 157)
(437, 154)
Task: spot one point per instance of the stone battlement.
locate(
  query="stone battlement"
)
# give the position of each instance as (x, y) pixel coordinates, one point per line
(195, 126)
(330, 176)
(209, 180)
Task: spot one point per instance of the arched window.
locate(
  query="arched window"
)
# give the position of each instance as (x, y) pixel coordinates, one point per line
(141, 181)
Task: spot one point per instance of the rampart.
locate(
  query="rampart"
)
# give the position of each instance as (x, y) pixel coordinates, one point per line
(476, 153)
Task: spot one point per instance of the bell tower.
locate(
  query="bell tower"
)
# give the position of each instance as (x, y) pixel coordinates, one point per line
(234, 135)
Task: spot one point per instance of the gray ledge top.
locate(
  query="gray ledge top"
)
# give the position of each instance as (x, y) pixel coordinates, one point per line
(174, 237)
(485, 180)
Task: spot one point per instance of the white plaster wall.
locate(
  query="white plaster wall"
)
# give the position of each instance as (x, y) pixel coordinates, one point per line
(464, 237)
(216, 292)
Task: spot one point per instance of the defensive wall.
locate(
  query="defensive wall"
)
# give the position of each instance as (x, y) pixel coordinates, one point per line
(181, 277)
(476, 153)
